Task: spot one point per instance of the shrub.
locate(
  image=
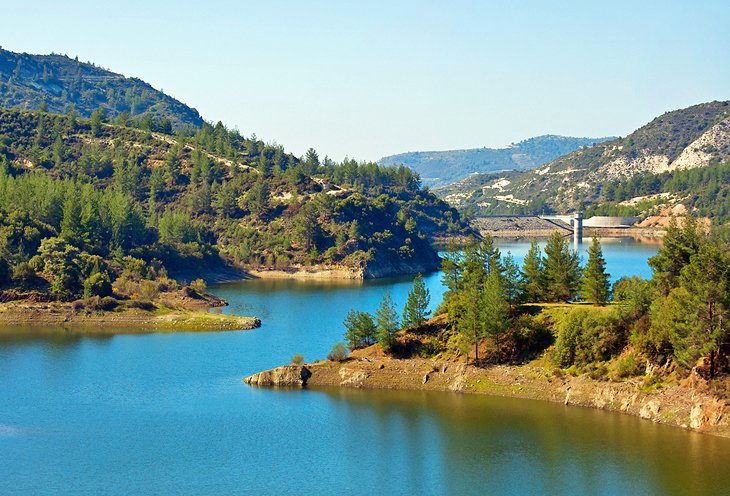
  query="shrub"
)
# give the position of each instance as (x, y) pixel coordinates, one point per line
(98, 304)
(198, 285)
(588, 335)
(24, 273)
(97, 284)
(140, 304)
(297, 359)
(338, 353)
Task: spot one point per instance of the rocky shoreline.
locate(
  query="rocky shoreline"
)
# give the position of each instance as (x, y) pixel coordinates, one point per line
(688, 405)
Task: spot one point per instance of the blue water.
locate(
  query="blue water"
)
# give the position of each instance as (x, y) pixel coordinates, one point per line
(168, 414)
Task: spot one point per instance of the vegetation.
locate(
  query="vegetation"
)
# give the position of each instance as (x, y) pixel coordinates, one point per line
(338, 353)
(416, 310)
(56, 83)
(386, 323)
(679, 319)
(596, 286)
(78, 200)
(578, 180)
(445, 167)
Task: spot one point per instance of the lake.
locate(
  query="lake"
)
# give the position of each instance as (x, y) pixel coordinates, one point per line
(169, 414)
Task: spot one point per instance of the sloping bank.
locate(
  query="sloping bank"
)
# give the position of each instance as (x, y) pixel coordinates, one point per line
(152, 318)
(689, 405)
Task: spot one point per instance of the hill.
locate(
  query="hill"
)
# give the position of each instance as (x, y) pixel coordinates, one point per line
(62, 84)
(440, 168)
(687, 143)
(80, 197)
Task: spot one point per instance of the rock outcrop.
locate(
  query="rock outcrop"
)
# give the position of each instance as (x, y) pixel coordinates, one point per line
(286, 376)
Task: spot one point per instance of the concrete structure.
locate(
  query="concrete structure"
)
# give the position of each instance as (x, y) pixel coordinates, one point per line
(577, 228)
(610, 222)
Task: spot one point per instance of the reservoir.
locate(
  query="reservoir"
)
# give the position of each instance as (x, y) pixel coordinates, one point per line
(169, 414)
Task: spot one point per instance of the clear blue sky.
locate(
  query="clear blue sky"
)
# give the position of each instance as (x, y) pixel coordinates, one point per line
(372, 78)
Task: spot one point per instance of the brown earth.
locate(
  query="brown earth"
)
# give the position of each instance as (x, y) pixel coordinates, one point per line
(688, 404)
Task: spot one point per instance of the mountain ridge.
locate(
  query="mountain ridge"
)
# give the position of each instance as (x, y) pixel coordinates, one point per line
(694, 137)
(440, 168)
(60, 84)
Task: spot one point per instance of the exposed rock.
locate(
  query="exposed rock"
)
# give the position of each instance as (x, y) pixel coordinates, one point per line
(650, 410)
(288, 375)
(353, 378)
(707, 414)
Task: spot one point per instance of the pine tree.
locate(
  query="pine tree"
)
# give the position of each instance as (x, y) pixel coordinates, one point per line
(512, 280)
(386, 323)
(532, 276)
(495, 309)
(416, 310)
(360, 329)
(561, 269)
(596, 286)
(71, 230)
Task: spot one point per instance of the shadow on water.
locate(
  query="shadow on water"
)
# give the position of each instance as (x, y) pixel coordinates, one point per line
(534, 447)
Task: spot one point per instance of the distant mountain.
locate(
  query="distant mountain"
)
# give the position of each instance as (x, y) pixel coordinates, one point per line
(691, 138)
(62, 83)
(446, 167)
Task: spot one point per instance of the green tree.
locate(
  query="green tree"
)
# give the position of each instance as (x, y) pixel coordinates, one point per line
(561, 269)
(59, 262)
(98, 117)
(512, 279)
(71, 228)
(596, 286)
(386, 323)
(97, 284)
(533, 286)
(495, 311)
(360, 330)
(678, 246)
(416, 310)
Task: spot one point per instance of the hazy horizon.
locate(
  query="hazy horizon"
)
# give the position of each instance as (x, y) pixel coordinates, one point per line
(380, 79)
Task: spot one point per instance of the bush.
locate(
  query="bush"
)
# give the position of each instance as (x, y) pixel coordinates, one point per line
(629, 365)
(199, 286)
(24, 273)
(98, 304)
(141, 305)
(297, 359)
(588, 335)
(338, 353)
(97, 284)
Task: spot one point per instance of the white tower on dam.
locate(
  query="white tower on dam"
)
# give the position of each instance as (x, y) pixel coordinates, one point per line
(577, 222)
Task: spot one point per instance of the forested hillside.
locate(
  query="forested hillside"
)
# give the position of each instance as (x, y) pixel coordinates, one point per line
(673, 145)
(60, 84)
(445, 167)
(80, 196)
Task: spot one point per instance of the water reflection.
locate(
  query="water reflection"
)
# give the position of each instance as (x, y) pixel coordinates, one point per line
(530, 447)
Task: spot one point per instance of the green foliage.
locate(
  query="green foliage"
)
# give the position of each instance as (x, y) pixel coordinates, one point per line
(634, 295)
(678, 246)
(24, 273)
(386, 323)
(97, 284)
(360, 330)
(561, 270)
(586, 335)
(337, 353)
(416, 310)
(196, 198)
(495, 311)
(297, 359)
(533, 281)
(60, 263)
(55, 83)
(198, 285)
(595, 285)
